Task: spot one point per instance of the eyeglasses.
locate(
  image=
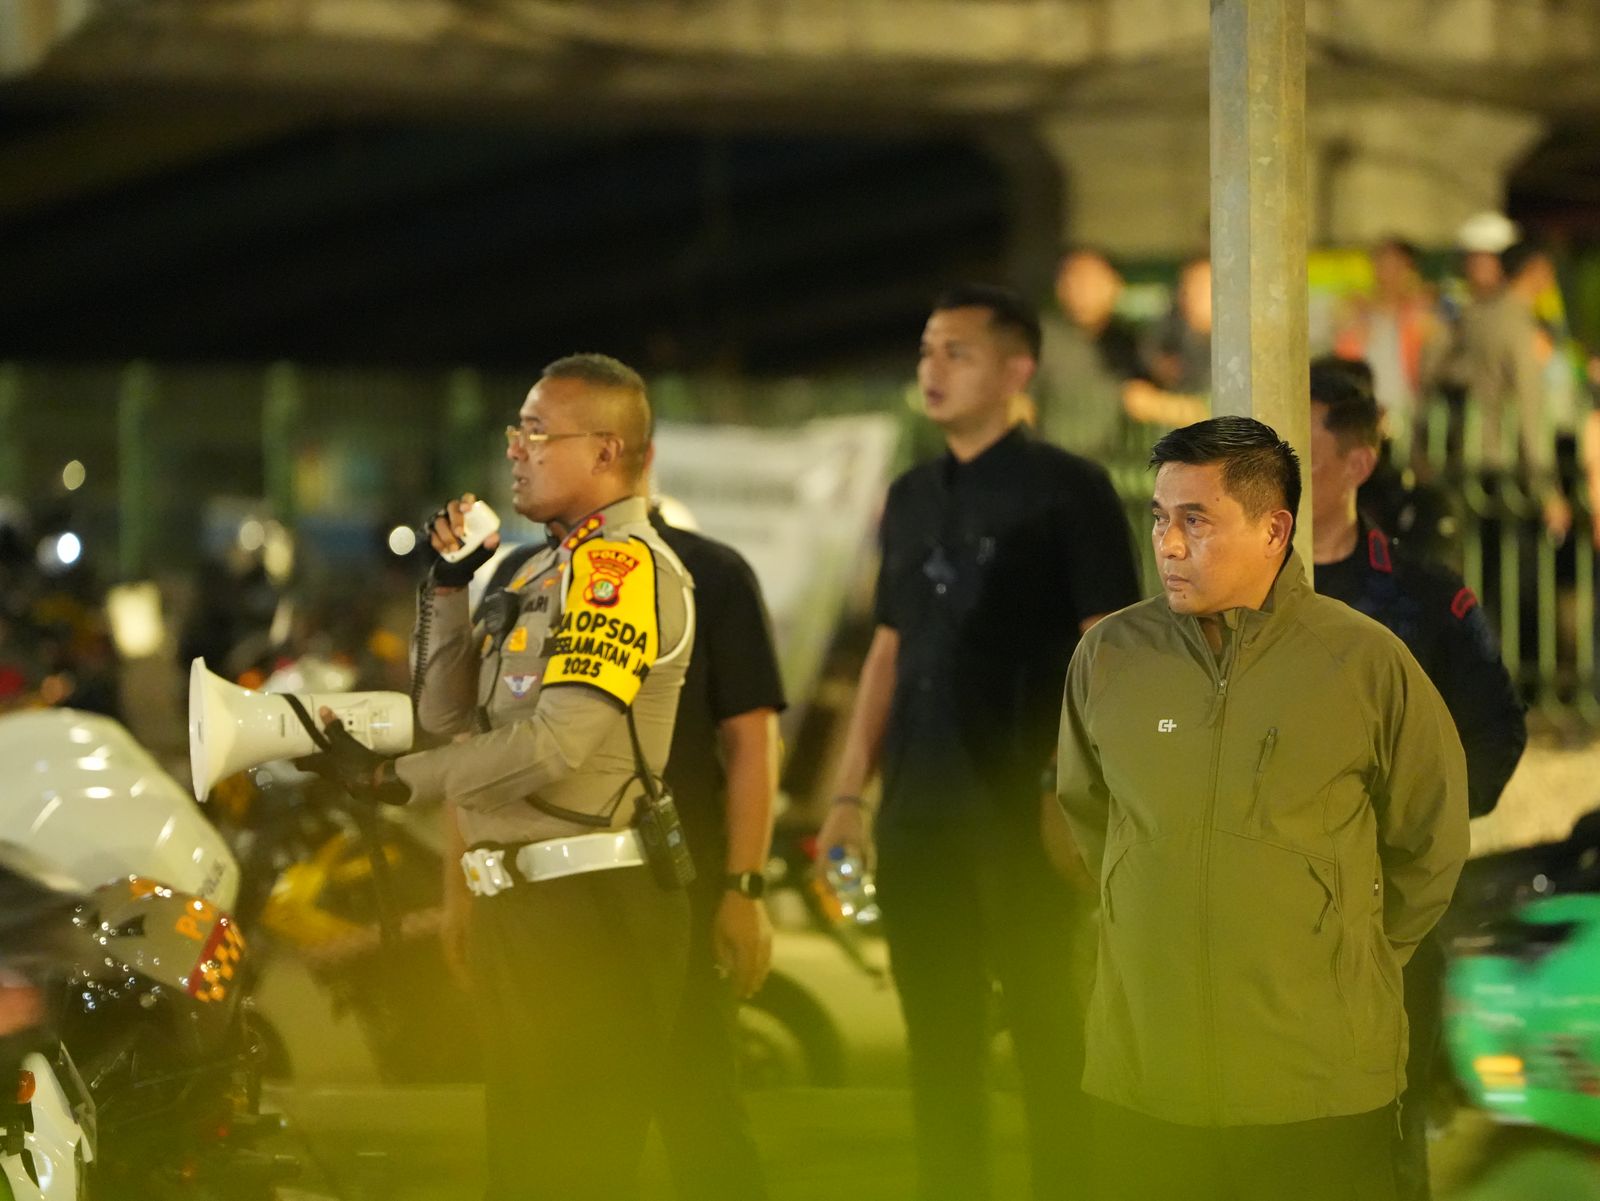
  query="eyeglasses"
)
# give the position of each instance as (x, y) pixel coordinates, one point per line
(521, 439)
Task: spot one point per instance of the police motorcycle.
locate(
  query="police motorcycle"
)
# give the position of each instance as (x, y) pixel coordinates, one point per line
(354, 898)
(143, 1083)
(1522, 1007)
(338, 892)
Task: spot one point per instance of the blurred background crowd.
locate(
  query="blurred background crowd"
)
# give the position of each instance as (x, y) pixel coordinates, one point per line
(287, 527)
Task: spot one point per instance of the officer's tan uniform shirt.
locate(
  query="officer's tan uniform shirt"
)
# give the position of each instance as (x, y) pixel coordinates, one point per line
(604, 620)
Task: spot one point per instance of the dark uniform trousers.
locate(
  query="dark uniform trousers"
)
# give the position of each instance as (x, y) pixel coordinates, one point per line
(704, 1126)
(578, 982)
(1140, 1158)
(959, 910)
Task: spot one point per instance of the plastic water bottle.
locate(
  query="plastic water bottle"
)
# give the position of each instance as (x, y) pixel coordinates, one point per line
(852, 884)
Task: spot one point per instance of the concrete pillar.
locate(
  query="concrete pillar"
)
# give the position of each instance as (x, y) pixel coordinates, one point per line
(1412, 166)
(1034, 200)
(1135, 184)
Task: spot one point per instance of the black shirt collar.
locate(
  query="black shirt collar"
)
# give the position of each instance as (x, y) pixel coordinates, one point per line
(996, 460)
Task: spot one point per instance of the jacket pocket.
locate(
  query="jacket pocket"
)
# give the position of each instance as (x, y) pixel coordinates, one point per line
(1269, 743)
(1279, 987)
(1146, 1029)
(1380, 1008)
(1108, 905)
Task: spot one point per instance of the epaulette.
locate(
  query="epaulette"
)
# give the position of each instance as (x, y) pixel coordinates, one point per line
(587, 529)
(1378, 552)
(1464, 602)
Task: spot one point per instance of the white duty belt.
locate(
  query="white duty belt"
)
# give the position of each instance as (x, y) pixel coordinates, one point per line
(491, 870)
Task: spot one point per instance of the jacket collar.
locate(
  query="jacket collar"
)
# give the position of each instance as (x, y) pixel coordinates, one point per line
(1288, 592)
(995, 461)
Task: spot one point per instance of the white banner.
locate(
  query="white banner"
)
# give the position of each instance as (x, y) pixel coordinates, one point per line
(802, 505)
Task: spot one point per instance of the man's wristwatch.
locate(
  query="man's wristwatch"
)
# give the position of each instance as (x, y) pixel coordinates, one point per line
(746, 884)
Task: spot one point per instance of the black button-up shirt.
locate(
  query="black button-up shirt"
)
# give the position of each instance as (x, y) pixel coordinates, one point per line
(989, 567)
(1429, 608)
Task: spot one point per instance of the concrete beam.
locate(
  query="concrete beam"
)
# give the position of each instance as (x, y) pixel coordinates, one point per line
(116, 147)
(31, 29)
(1414, 167)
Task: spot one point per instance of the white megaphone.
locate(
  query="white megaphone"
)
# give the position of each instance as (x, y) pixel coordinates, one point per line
(233, 728)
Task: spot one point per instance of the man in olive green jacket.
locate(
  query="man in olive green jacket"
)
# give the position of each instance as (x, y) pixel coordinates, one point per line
(1272, 798)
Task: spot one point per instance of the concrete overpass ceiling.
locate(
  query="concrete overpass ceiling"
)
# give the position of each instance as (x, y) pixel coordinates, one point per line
(462, 239)
(1557, 187)
(772, 183)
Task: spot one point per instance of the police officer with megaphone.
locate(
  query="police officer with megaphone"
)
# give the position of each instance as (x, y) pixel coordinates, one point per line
(555, 708)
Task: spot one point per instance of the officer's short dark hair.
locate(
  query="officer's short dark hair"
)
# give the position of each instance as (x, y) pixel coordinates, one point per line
(1259, 469)
(1008, 312)
(631, 414)
(599, 369)
(1345, 387)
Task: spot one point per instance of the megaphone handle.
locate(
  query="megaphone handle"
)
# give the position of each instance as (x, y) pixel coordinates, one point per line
(385, 905)
(299, 710)
(368, 823)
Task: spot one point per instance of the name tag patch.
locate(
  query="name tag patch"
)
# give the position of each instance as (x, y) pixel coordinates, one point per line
(520, 685)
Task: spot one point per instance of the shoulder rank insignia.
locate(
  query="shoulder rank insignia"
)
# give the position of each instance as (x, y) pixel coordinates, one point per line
(1378, 552)
(587, 528)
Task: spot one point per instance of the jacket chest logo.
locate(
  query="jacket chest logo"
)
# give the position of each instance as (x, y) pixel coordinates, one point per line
(1166, 725)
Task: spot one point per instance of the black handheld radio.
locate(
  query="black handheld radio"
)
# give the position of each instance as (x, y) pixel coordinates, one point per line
(655, 816)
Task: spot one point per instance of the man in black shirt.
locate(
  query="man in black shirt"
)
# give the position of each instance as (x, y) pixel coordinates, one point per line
(723, 772)
(1439, 619)
(996, 556)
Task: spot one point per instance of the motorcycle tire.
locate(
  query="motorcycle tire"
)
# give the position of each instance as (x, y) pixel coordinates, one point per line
(785, 1039)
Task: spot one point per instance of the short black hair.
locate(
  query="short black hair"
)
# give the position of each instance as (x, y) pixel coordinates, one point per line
(626, 403)
(601, 370)
(1345, 387)
(1259, 469)
(1514, 259)
(1008, 312)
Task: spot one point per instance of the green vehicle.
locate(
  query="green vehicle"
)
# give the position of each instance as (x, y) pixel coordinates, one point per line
(1522, 1004)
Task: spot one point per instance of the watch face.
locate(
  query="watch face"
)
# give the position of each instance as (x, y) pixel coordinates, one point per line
(750, 884)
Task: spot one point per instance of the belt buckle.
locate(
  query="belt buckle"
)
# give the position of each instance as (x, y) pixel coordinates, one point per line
(486, 872)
